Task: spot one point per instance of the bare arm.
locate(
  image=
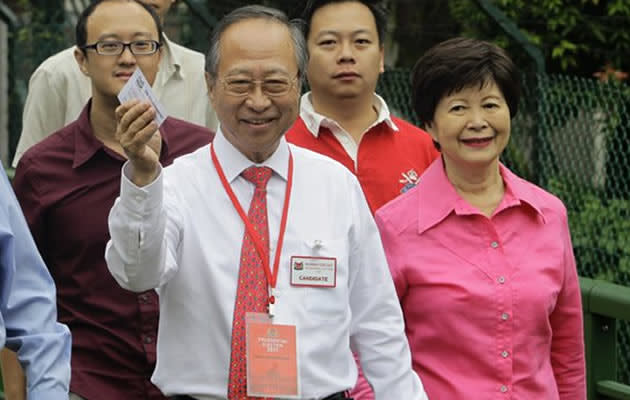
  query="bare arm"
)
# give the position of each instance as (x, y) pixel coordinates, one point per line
(12, 376)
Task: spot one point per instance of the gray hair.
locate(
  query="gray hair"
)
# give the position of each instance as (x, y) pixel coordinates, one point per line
(294, 26)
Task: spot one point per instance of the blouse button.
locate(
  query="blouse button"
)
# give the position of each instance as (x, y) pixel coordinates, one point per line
(501, 280)
(503, 388)
(494, 245)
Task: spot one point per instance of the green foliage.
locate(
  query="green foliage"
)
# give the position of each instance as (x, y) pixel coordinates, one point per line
(600, 230)
(42, 32)
(599, 215)
(577, 36)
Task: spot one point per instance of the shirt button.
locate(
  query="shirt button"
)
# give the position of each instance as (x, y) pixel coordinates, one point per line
(501, 280)
(505, 316)
(148, 339)
(494, 245)
(503, 389)
(504, 354)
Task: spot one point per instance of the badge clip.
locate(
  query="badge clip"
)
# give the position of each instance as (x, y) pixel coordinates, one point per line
(271, 305)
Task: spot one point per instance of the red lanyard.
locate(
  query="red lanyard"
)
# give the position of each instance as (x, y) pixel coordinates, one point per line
(264, 255)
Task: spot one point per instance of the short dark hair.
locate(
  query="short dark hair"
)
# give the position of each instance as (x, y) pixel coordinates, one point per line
(257, 12)
(377, 7)
(456, 64)
(81, 27)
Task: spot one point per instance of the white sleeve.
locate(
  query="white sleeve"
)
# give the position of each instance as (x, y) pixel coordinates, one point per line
(44, 111)
(377, 332)
(145, 235)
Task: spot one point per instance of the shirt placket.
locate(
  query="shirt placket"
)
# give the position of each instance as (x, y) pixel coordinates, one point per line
(347, 143)
(148, 306)
(502, 274)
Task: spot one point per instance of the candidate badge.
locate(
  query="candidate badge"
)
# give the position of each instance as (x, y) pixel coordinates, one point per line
(313, 271)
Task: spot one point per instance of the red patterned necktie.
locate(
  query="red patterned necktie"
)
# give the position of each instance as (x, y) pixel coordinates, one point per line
(252, 290)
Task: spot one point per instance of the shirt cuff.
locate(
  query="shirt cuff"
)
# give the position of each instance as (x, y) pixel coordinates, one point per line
(138, 198)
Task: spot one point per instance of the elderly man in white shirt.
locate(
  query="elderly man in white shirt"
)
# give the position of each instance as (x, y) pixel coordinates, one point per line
(305, 263)
(58, 91)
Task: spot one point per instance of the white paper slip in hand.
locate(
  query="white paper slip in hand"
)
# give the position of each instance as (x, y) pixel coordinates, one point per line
(138, 88)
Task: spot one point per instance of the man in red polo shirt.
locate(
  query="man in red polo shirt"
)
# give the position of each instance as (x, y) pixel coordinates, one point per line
(342, 117)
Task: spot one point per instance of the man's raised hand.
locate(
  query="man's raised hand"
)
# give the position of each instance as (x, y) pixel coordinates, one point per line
(138, 134)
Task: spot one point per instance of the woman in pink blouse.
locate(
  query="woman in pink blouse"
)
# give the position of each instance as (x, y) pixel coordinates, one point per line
(482, 259)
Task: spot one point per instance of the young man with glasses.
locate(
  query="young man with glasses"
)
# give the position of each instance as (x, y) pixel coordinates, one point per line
(66, 185)
(58, 90)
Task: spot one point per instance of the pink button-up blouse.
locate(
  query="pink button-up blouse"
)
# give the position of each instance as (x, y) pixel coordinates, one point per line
(492, 305)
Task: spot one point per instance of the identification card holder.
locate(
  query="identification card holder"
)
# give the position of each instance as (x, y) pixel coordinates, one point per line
(272, 369)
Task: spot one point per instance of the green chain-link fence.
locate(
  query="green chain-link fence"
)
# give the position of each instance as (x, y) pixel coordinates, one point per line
(572, 137)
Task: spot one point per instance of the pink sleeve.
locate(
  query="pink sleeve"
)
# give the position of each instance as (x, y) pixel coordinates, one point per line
(363, 390)
(392, 253)
(567, 344)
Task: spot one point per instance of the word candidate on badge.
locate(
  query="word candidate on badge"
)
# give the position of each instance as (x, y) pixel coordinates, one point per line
(314, 271)
(138, 88)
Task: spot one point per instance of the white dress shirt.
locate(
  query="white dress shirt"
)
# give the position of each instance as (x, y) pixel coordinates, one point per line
(58, 91)
(182, 235)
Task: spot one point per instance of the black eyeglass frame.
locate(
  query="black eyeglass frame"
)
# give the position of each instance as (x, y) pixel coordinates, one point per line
(95, 47)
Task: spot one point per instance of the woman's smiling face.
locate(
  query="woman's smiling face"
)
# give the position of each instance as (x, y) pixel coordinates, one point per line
(472, 127)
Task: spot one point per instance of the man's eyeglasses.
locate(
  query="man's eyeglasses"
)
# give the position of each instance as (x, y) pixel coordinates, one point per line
(272, 87)
(115, 47)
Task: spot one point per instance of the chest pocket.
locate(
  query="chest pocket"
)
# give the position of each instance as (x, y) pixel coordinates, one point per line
(320, 303)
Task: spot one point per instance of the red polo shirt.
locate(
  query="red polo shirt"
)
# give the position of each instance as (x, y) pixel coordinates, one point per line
(389, 162)
(66, 185)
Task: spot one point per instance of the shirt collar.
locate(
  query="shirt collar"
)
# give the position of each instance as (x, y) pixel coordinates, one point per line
(170, 61)
(234, 162)
(314, 121)
(432, 208)
(521, 191)
(86, 144)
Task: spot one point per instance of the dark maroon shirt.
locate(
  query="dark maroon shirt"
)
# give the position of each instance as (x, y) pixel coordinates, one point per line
(66, 185)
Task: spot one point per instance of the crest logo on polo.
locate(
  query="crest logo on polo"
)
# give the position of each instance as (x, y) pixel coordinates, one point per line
(409, 180)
